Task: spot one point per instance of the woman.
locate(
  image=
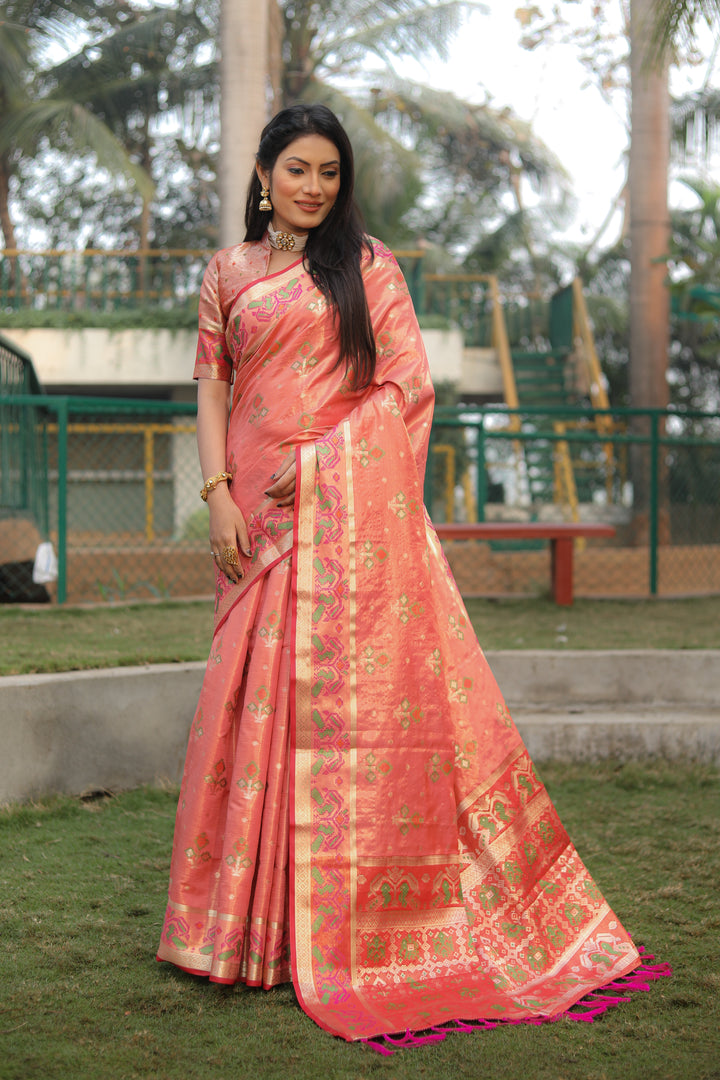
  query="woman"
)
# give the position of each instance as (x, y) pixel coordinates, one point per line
(358, 812)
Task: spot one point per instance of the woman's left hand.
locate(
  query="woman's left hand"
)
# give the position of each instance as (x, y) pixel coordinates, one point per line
(283, 484)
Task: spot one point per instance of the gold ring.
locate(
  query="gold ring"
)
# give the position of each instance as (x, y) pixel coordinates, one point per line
(230, 556)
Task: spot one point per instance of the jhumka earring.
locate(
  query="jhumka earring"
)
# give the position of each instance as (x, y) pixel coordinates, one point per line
(264, 203)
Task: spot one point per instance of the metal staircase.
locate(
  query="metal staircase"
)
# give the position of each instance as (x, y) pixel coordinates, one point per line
(547, 359)
(555, 364)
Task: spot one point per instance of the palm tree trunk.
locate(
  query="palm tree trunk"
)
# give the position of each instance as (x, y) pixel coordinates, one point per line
(649, 236)
(243, 105)
(145, 218)
(649, 217)
(276, 32)
(6, 224)
(8, 229)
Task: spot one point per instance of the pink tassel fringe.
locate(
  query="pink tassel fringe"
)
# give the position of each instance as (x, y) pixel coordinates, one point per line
(587, 1010)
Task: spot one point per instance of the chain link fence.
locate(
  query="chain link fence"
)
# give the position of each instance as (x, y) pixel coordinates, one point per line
(24, 509)
(125, 517)
(135, 525)
(115, 486)
(654, 476)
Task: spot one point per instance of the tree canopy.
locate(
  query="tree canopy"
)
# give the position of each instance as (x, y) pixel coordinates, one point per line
(38, 109)
(118, 138)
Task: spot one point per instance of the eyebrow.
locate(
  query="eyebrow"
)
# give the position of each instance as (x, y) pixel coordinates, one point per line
(302, 162)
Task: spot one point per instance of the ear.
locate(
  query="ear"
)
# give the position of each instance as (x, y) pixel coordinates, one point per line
(263, 177)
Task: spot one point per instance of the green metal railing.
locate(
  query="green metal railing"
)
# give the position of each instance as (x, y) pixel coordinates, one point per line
(672, 457)
(73, 427)
(17, 374)
(101, 281)
(98, 280)
(126, 519)
(465, 301)
(23, 440)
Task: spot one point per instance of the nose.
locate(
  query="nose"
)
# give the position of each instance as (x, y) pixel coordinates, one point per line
(312, 183)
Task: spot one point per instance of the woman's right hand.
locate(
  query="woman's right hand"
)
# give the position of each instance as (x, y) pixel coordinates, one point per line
(228, 532)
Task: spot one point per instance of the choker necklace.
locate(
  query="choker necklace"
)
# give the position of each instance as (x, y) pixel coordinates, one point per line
(285, 241)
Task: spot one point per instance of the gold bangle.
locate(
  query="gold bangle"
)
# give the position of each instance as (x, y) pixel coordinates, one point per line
(212, 482)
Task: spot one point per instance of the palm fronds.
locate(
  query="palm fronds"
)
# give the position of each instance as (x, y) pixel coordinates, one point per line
(695, 123)
(677, 21)
(67, 122)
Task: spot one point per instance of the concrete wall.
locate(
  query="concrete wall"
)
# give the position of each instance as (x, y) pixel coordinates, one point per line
(83, 731)
(480, 373)
(125, 358)
(113, 729)
(641, 677)
(118, 358)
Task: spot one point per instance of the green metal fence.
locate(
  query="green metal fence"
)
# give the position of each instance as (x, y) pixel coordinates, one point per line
(124, 507)
(124, 512)
(653, 474)
(23, 443)
(98, 280)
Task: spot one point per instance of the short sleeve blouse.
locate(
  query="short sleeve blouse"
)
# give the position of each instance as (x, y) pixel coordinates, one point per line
(229, 271)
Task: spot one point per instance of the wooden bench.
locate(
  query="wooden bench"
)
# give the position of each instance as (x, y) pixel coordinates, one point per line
(561, 536)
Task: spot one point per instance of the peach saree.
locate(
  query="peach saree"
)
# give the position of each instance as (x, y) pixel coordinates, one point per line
(358, 811)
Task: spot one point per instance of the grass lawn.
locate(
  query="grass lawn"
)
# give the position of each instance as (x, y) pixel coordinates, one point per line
(82, 998)
(60, 639)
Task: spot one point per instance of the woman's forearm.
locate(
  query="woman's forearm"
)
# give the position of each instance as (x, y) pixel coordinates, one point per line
(212, 422)
(227, 524)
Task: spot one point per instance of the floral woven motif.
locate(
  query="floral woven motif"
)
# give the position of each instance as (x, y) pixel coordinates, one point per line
(431, 876)
(356, 800)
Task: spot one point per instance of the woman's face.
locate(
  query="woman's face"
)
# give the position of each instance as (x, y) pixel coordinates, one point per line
(304, 183)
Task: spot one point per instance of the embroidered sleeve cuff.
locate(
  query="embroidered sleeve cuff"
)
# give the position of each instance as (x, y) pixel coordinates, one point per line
(212, 360)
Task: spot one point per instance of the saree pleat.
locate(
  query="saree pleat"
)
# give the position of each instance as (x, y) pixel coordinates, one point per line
(227, 913)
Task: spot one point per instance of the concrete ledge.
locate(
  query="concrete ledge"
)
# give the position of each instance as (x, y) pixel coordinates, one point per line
(164, 357)
(120, 727)
(623, 677)
(88, 730)
(595, 733)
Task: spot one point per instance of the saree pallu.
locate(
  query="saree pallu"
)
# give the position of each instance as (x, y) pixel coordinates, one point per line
(357, 801)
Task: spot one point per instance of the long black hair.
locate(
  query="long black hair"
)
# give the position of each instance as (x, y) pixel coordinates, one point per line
(334, 248)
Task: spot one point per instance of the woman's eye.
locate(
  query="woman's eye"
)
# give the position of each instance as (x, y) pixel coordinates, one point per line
(330, 175)
(295, 171)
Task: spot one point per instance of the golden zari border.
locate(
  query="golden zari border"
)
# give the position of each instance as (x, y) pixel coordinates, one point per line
(352, 601)
(301, 737)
